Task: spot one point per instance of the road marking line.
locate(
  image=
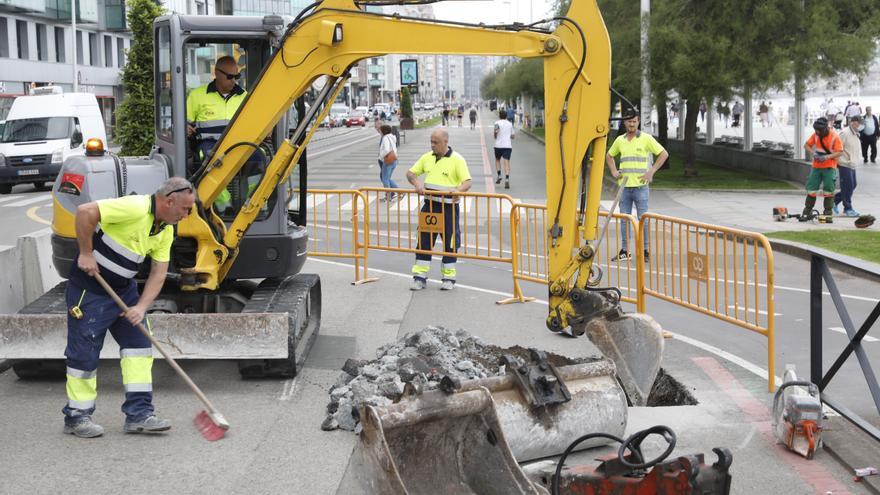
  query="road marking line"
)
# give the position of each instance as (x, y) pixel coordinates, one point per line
(32, 199)
(288, 388)
(749, 310)
(487, 168)
(866, 338)
(606, 205)
(9, 198)
(337, 148)
(32, 214)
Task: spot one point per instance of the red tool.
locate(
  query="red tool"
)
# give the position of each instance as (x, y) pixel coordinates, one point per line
(211, 424)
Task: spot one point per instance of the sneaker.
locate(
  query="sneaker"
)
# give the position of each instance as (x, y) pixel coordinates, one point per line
(447, 285)
(835, 209)
(151, 424)
(418, 284)
(498, 180)
(623, 255)
(647, 256)
(84, 428)
(507, 184)
(851, 213)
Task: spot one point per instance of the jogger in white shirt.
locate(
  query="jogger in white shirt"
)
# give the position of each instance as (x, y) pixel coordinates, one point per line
(503, 147)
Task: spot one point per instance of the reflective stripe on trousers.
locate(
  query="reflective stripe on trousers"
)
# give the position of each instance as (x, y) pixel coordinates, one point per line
(451, 241)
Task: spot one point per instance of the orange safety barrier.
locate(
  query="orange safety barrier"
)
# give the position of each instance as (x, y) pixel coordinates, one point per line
(330, 225)
(528, 222)
(482, 217)
(718, 271)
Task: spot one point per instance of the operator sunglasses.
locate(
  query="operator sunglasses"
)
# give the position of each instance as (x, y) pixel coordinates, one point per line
(188, 189)
(228, 75)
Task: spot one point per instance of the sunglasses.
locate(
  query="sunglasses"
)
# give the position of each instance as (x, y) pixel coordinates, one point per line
(188, 189)
(228, 75)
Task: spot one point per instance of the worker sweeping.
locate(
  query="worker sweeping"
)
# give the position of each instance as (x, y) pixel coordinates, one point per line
(825, 146)
(114, 236)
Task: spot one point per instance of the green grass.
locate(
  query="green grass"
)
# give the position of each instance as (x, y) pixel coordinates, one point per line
(712, 177)
(430, 122)
(537, 131)
(857, 243)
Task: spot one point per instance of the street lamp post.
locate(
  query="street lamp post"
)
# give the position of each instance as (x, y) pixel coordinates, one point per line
(73, 45)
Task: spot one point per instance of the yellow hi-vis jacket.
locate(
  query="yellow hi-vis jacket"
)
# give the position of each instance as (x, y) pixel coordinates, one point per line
(209, 112)
(636, 156)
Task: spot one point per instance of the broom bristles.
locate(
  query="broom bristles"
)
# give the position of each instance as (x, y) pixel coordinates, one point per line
(207, 427)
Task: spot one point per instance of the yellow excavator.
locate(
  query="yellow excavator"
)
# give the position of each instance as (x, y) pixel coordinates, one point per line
(209, 308)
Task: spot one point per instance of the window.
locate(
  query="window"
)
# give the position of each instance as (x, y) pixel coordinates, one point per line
(94, 54)
(59, 45)
(22, 36)
(79, 47)
(4, 38)
(120, 52)
(164, 116)
(108, 51)
(42, 42)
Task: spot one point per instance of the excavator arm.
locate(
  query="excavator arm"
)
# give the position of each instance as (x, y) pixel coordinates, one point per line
(336, 35)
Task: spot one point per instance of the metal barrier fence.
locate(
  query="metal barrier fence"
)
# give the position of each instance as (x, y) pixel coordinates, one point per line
(482, 217)
(718, 271)
(329, 228)
(528, 222)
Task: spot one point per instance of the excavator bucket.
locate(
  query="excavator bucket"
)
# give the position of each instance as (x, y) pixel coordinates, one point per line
(434, 443)
(634, 342)
(470, 439)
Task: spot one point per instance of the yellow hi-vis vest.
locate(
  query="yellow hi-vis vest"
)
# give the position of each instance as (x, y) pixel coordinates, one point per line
(209, 112)
(444, 173)
(636, 156)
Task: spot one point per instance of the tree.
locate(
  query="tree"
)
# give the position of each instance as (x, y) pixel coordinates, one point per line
(406, 107)
(135, 116)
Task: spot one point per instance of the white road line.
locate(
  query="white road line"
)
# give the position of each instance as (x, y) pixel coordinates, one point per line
(606, 205)
(32, 199)
(337, 148)
(760, 311)
(288, 388)
(866, 338)
(9, 198)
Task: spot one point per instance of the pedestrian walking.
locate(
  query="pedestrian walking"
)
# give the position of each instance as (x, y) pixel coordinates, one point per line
(115, 236)
(445, 115)
(511, 115)
(636, 149)
(460, 114)
(737, 112)
(503, 147)
(473, 118)
(387, 161)
(825, 146)
(764, 113)
(846, 166)
(724, 111)
(444, 170)
(869, 134)
(702, 110)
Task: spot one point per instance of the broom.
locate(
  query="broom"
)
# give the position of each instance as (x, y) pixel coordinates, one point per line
(211, 424)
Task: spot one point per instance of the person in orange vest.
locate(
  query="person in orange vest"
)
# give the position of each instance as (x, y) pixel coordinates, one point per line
(825, 146)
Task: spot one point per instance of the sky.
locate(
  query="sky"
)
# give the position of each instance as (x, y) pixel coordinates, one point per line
(492, 11)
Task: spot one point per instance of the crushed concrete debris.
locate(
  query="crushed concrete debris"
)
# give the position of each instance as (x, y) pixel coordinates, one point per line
(422, 358)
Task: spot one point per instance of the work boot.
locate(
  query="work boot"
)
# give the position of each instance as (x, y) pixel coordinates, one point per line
(623, 255)
(84, 428)
(418, 284)
(151, 424)
(447, 285)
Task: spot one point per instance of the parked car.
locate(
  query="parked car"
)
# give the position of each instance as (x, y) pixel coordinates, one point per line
(429, 106)
(355, 118)
(42, 130)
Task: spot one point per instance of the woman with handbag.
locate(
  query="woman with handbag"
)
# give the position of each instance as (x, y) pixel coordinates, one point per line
(387, 161)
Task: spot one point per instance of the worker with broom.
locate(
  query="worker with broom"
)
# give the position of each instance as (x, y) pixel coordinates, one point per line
(114, 237)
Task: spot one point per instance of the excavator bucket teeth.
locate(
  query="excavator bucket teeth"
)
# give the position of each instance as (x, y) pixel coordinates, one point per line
(634, 342)
(434, 443)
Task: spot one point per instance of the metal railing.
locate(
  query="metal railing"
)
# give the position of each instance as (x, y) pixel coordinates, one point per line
(819, 272)
(528, 223)
(330, 226)
(718, 271)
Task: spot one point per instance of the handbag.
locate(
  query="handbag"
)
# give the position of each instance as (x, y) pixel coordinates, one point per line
(389, 158)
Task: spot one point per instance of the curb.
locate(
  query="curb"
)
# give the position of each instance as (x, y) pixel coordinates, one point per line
(840, 262)
(536, 138)
(795, 192)
(852, 449)
(5, 364)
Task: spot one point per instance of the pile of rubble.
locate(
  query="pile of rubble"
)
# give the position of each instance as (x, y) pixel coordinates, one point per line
(422, 359)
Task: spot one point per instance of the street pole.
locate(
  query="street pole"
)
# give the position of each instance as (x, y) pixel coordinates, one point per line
(645, 103)
(73, 45)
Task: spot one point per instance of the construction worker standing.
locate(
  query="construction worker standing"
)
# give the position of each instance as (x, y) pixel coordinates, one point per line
(114, 236)
(635, 149)
(825, 146)
(444, 170)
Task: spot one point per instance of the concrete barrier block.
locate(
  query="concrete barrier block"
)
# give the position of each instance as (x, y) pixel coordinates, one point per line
(11, 284)
(37, 271)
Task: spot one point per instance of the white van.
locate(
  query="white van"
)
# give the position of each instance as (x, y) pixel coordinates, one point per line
(42, 130)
